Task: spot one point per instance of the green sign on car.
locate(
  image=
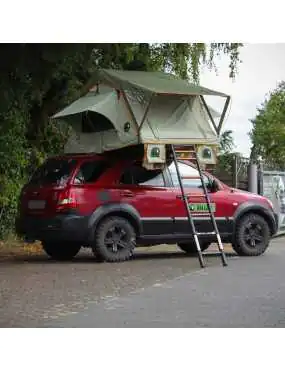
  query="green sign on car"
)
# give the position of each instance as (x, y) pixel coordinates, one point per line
(202, 208)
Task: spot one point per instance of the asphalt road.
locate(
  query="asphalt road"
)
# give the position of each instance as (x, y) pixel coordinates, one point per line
(153, 290)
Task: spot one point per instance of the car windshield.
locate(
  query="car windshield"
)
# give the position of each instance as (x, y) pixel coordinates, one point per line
(54, 172)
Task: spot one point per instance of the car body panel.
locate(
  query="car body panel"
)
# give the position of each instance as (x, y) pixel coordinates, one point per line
(155, 207)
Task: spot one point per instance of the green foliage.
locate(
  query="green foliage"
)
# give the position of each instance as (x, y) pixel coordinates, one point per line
(13, 162)
(268, 129)
(225, 163)
(226, 142)
(36, 80)
(226, 155)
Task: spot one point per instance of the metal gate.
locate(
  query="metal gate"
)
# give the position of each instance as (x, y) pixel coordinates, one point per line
(272, 186)
(232, 169)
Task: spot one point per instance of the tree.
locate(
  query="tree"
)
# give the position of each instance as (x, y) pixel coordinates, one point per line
(226, 142)
(36, 80)
(226, 154)
(268, 129)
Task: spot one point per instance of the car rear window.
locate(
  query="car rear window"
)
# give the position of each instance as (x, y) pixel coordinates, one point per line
(54, 172)
(91, 171)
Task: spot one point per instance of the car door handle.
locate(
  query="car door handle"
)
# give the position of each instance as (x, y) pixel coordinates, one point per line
(127, 194)
(180, 196)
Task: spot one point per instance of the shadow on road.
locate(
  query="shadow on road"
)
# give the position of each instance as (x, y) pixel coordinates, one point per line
(90, 259)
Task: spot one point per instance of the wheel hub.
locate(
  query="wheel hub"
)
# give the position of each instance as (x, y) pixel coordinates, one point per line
(253, 234)
(115, 238)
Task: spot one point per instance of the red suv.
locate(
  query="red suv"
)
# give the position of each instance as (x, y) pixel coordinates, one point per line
(113, 205)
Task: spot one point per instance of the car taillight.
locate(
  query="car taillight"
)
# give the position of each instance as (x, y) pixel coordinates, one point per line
(66, 200)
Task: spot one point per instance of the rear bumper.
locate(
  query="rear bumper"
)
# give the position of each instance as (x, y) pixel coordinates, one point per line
(60, 227)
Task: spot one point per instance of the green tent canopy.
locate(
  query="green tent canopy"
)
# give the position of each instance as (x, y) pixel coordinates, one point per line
(125, 108)
(154, 82)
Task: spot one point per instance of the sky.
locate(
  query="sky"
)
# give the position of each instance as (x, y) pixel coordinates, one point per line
(262, 67)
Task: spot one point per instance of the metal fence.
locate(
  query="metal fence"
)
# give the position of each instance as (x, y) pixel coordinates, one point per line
(240, 173)
(234, 172)
(272, 186)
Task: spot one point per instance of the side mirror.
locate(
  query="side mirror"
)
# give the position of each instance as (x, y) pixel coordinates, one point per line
(213, 185)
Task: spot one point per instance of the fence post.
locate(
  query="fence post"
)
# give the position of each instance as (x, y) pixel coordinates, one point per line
(252, 177)
(260, 178)
(235, 171)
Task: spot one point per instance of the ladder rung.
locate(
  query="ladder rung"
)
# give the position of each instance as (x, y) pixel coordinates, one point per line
(188, 158)
(206, 233)
(185, 151)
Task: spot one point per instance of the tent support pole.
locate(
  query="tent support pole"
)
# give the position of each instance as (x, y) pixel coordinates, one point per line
(189, 215)
(144, 116)
(219, 127)
(223, 115)
(209, 113)
(130, 108)
(146, 112)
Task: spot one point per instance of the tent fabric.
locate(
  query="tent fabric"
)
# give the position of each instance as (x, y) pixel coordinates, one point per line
(154, 82)
(176, 116)
(181, 120)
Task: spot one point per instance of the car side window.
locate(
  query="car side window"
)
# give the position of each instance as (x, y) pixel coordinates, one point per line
(138, 175)
(187, 171)
(91, 171)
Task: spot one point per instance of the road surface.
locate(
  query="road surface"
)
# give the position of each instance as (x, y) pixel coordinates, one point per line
(153, 290)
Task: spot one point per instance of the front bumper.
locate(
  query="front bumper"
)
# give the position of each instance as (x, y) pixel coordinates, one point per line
(60, 227)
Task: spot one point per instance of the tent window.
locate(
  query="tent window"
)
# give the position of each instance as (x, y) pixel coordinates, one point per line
(93, 122)
(138, 175)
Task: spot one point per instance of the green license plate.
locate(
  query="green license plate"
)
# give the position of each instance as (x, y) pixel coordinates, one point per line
(202, 208)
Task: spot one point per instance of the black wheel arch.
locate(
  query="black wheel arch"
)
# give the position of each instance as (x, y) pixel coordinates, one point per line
(259, 209)
(114, 209)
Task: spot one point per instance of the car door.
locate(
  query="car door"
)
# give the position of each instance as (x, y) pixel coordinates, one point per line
(88, 184)
(151, 194)
(196, 198)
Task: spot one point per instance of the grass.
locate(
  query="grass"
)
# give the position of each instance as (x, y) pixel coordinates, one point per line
(12, 246)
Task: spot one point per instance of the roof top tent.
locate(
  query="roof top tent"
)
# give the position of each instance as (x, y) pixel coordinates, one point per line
(129, 108)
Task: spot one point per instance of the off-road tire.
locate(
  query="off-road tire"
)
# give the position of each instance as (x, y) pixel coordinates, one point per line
(61, 250)
(242, 244)
(109, 230)
(191, 249)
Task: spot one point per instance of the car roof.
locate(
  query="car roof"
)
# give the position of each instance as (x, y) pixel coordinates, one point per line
(94, 156)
